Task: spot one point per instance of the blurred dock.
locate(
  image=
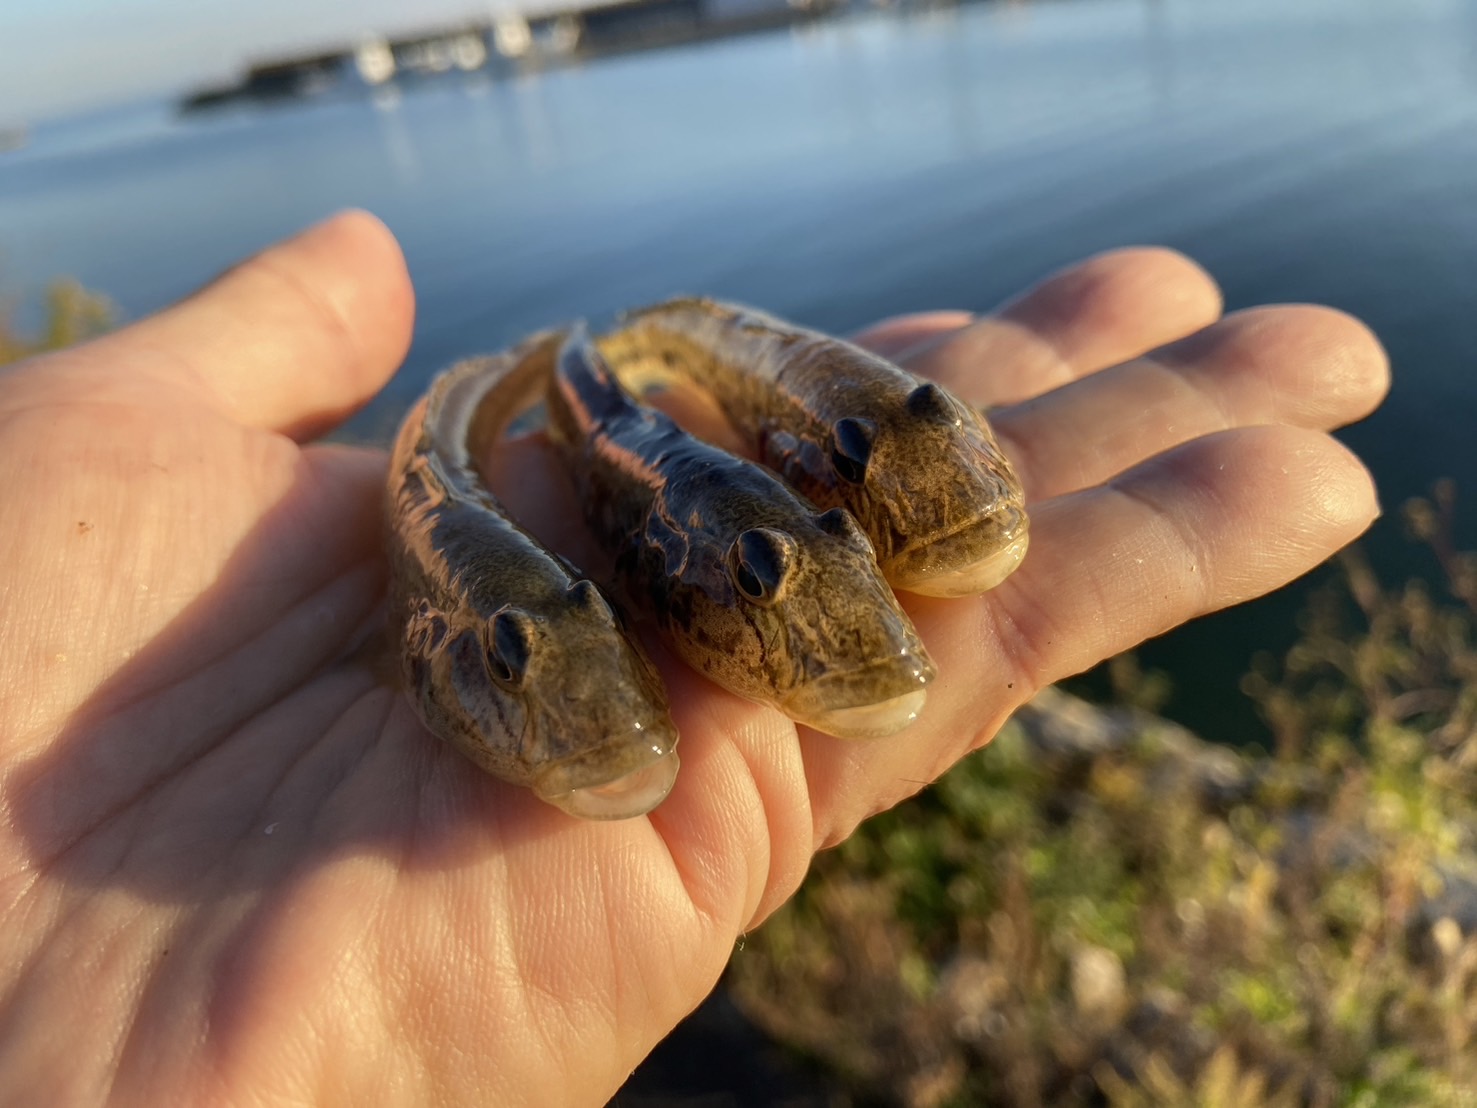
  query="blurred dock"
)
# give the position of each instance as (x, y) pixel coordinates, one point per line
(507, 45)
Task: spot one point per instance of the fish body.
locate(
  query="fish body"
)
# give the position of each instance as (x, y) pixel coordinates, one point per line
(918, 468)
(507, 652)
(750, 583)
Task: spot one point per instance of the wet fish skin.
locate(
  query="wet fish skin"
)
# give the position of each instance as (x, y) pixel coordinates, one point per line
(508, 652)
(752, 585)
(920, 469)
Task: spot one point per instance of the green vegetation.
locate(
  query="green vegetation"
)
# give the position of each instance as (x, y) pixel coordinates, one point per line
(1101, 909)
(72, 315)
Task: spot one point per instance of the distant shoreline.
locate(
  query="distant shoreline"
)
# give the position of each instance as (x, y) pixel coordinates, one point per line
(506, 46)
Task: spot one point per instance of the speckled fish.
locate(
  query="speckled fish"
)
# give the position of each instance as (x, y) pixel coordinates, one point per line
(751, 584)
(507, 652)
(919, 469)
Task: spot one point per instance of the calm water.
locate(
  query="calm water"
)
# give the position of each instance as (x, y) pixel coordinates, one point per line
(1321, 150)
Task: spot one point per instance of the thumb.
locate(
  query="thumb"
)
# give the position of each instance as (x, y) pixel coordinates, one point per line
(295, 338)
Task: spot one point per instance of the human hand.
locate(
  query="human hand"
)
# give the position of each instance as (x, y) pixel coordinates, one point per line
(236, 868)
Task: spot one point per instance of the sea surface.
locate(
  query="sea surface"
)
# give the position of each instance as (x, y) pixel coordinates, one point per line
(1302, 150)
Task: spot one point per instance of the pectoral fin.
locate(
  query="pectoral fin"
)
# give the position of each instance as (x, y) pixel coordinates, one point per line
(799, 463)
(425, 631)
(670, 540)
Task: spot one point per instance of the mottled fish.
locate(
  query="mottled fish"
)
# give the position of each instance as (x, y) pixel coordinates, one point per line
(919, 468)
(508, 652)
(751, 584)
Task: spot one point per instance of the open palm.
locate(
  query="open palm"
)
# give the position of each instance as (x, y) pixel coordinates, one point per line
(236, 869)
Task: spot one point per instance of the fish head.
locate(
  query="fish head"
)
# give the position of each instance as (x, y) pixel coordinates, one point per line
(930, 485)
(797, 615)
(565, 699)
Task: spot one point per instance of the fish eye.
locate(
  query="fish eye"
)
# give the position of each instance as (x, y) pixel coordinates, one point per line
(842, 524)
(759, 560)
(851, 447)
(928, 401)
(586, 595)
(510, 645)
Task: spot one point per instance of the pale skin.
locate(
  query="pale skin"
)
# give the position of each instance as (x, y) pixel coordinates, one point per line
(237, 871)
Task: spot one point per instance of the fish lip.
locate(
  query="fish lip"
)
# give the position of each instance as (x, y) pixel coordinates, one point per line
(632, 793)
(598, 766)
(1005, 526)
(906, 671)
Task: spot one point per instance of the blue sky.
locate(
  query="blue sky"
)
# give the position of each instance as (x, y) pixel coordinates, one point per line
(61, 55)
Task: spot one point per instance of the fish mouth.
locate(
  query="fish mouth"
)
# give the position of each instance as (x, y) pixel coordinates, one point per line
(615, 782)
(875, 700)
(965, 562)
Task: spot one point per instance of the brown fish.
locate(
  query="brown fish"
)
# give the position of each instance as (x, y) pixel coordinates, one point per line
(508, 652)
(919, 469)
(750, 584)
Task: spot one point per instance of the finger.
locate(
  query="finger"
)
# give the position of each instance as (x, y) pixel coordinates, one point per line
(297, 337)
(1302, 366)
(892, 338)
(1089, 316)
(1211, 523)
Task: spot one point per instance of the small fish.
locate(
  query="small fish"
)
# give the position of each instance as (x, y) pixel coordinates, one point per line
(750, 584)
(919, 469)
(508, 653)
